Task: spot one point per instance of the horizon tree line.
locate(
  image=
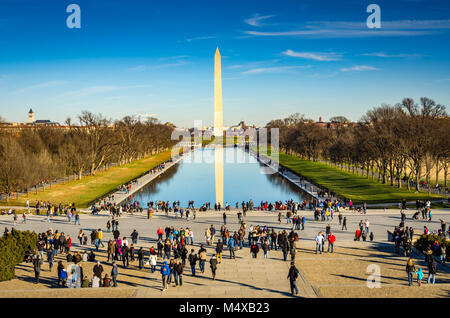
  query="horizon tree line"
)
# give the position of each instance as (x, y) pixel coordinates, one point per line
(401, 142)
(33, 156)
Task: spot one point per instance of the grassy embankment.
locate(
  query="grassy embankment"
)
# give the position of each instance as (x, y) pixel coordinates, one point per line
(89, 188)
(347, 184)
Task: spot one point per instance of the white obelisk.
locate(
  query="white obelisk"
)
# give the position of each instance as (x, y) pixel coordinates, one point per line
(218, 128)
(218, 113)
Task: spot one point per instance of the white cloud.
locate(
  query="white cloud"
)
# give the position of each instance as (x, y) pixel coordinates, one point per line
(38, 86)
(140, 68)
(385, 55)
(359, 68)
(277, 69)
(199, 38)
(256, 19)
(343, 29)
(91, 90)
(312, 56)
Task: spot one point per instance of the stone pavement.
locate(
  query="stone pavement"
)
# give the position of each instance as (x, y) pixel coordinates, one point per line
(330, 275)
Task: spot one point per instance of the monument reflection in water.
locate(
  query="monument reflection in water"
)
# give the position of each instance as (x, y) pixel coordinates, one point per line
(194, 179)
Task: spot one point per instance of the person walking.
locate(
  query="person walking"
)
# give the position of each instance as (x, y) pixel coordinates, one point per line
(265, 248)
(36, 267)
(165, 272)
(231, 247)
(292, 276)
(254, 249)
(331, 240)
(202, 258)
(219, 250)
(344, 223)
(50, 258)
(153, 260)
(410, 269)
(114, 273)
(141, 258)
(213, 265)
(284, 247)
(432, 271)
(319, 243)
(178, 270)
(192, 261)
(98, 270)
(419, 274)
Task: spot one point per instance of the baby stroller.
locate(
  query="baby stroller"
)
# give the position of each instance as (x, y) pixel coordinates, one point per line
(416, 215)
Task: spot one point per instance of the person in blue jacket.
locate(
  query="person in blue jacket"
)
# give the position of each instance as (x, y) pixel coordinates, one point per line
(165, 272)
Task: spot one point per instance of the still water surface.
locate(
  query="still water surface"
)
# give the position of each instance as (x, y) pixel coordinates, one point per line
(194, 179)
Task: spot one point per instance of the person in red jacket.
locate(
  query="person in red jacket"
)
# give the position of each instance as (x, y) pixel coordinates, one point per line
(331, 240)
(357, 234)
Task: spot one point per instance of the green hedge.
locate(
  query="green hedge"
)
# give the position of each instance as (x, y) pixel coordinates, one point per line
(426, 240)
(13, 249)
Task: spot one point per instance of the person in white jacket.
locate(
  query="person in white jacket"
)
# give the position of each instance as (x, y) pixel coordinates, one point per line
(152, 260)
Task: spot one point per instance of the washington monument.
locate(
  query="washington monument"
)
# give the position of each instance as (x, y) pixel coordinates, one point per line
(218, 128)
(218, 113)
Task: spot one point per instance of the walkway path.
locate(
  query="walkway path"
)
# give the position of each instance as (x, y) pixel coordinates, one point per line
(120, 196)
(305, 185)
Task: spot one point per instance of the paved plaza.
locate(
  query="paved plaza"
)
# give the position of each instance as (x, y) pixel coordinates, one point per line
(340, 274)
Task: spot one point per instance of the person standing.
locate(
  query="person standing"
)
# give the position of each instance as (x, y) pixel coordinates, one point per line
(331, 240)
(432, 271)
(292, 276)
(98, 270)
(153, 259)
(134, 237)
(410, 269)
(141, 258)
(192, 261)
(254, 249)
(36, 267)
(165, 272)
(265, 248)
(213, 265)
(231, 246)
(344, 223)
(319, 243)
(114, 273)
(219, 250)
(213, 233)
(178, 273)
(224, 218)
(202, 257)
(50, 258)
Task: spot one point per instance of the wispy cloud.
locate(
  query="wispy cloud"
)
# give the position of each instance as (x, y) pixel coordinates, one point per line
(199, 38)
(49, 84)
(140, 68)
(359, 68)
(313, 56)
(443, 79)
(385, 55)
(256, 19)
(90, 90)
(343, 29)
(276, 69)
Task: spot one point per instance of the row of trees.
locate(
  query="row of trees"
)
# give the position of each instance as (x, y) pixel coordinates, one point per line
(33, 155)
(406, 141)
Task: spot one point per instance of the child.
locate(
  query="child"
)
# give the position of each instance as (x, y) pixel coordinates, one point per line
(419, 274)
(371, 236)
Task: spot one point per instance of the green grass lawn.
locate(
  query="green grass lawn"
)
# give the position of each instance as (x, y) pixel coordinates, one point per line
(90, 188)
(349, 185)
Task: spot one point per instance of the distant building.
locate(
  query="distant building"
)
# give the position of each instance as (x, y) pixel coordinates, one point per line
(30, 116)
(41, 122)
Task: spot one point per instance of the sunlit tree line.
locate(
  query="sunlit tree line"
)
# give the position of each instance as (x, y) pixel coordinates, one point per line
(402, 143)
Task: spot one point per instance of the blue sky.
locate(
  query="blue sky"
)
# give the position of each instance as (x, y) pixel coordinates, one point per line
(315, 57)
